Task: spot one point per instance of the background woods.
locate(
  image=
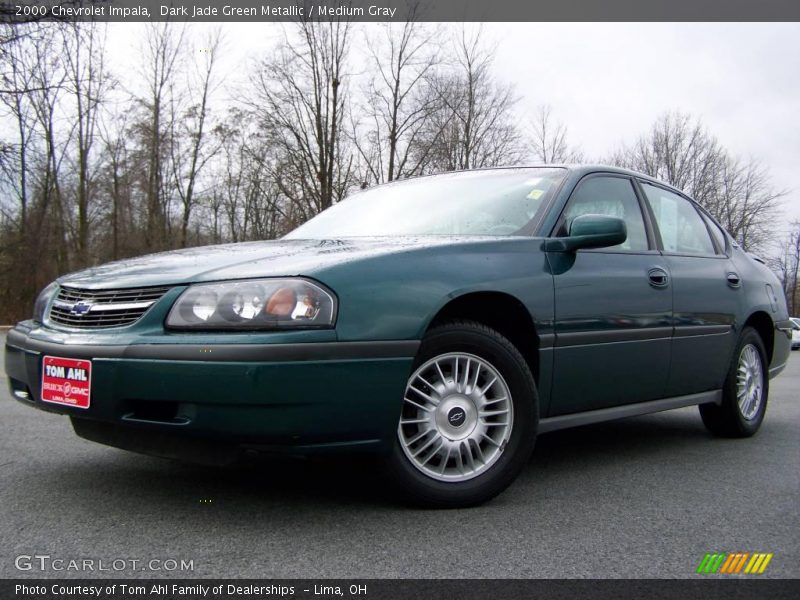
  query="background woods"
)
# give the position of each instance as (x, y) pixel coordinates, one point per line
(98, 164)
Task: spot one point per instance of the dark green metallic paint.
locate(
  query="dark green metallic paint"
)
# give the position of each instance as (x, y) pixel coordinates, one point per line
(604, 333)
(291, 402)
(588, 301)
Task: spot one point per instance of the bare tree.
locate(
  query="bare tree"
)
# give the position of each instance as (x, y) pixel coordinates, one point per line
(48, 78)
(680, 150)
(194, 126)
(16, 148)
(745, 202)
(549, 139)
(246, 195)
(87, 82)
(117, 181)
(397, 101)
(474, 124)
(17, 76)
(161, 55)
(301, 98)
(786, 264)
(793, 283)
(34, 246)
(10, 34)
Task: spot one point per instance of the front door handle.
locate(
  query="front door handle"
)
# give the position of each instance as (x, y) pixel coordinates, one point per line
(658, 277)
(733, 279)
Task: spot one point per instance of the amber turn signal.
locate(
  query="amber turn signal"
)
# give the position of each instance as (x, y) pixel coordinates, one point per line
(282, 303)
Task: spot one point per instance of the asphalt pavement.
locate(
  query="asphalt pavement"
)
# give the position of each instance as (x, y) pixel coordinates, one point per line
(644, 497)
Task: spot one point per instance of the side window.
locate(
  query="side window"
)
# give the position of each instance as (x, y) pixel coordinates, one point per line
(611, 196)
(716, 232)
(682, 229)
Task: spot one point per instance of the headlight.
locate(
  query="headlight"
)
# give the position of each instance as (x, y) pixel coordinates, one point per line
(42, 300)
(255, 304)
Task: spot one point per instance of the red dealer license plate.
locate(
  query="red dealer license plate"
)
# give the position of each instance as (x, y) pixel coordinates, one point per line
(66, 381)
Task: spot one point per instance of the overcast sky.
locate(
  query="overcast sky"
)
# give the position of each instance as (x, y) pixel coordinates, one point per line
(608, 82)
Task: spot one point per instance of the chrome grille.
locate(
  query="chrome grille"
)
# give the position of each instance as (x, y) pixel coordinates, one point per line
(99, 309)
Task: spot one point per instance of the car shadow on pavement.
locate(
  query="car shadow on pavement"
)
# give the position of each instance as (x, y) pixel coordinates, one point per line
(357, 480)
(637, 437)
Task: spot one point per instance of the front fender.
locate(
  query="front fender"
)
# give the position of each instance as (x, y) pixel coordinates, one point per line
(397, 296)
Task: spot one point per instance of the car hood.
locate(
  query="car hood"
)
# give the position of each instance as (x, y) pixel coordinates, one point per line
(245, 260)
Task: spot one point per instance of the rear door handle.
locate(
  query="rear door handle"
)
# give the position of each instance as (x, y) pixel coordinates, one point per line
(733, 280)
(658, 277)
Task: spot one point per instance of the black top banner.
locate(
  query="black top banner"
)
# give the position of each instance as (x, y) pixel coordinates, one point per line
(401, 10)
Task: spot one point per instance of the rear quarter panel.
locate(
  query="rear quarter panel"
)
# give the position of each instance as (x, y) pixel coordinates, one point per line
(762, 291)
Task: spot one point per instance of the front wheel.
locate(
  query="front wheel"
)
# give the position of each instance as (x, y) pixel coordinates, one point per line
(744, 393)
(468, 420)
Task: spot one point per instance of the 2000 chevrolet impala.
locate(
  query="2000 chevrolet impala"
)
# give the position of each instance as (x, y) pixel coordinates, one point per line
(442, 321)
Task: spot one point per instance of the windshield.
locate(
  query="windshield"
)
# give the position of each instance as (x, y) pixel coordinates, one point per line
(492, 202)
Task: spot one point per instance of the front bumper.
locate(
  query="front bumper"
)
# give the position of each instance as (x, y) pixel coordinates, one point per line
(206, 401)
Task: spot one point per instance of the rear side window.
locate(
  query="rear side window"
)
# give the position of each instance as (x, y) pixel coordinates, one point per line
(682, 228)
(613, 197)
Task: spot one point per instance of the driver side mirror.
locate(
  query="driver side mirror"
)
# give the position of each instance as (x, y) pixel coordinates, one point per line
(589, 231)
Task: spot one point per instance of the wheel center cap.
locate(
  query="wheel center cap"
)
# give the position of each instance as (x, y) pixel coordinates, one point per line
(457, 417)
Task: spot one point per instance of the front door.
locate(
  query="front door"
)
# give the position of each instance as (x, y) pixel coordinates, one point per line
(613, 308)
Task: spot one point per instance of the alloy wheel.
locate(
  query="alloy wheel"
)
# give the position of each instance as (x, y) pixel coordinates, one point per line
(749, 382)
(457, 417)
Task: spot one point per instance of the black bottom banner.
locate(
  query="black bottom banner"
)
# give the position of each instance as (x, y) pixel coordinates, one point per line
(416, 589)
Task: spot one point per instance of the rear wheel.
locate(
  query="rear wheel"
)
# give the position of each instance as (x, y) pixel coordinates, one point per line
(745, 392)
(468, 421)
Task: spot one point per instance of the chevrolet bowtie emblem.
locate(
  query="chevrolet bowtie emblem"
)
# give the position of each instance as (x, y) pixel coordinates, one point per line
(80, 308)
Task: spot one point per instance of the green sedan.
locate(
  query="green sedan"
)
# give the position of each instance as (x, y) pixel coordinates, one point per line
(441, 323)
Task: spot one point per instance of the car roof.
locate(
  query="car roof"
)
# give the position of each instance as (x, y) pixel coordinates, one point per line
(585, 169)
(578, 169)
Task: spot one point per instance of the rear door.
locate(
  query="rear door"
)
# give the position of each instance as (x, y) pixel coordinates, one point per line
(613, 307)
(706, 291)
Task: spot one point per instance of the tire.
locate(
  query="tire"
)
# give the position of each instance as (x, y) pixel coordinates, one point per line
(732, 418)
(472, 453)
